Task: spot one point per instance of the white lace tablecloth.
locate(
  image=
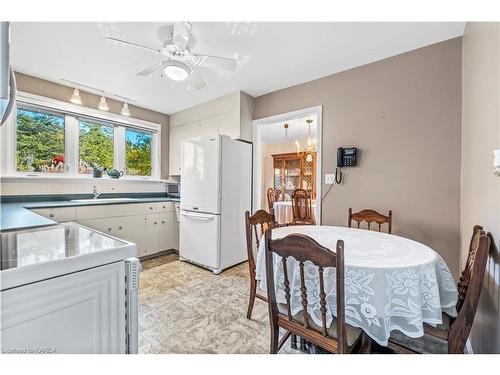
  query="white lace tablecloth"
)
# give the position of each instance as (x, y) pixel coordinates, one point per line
(391, 282)
(283, 212)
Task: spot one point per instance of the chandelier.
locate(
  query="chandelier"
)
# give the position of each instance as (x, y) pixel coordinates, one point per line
(310, 146)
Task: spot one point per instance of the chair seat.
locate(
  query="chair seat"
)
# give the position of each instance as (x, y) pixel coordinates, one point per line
(352, 333)
(427, 344)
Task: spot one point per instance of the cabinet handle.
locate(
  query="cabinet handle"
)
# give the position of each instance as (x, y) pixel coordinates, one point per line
(163, 221)
(120, 228)
(163, 206)
(109, 229)
(51, 215)
(150, 208)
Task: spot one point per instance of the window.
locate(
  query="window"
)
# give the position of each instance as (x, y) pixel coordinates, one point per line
(56, 139)
(137, 153)
(39, 141)
(95, 145)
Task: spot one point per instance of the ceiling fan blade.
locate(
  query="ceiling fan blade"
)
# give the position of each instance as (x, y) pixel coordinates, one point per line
(153, 68)
(135, 45)
(182, 32)
(217, 62)
(196, 81)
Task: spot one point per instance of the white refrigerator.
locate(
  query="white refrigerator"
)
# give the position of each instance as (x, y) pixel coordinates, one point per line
(216, 178)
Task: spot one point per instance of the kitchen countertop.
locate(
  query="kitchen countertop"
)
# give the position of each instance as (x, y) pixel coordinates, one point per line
(18, 215)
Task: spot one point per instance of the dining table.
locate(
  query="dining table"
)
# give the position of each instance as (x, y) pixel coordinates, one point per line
(391, 282)
(283, 212)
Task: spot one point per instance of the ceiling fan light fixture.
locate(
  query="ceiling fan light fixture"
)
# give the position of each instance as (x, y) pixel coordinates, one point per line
(176, 71)
(125, 111)
(76, 98)
(103, 106)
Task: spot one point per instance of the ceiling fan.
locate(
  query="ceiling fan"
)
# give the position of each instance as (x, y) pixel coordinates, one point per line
(178, 62)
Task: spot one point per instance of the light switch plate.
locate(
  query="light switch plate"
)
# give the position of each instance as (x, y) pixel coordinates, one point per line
(329, 179)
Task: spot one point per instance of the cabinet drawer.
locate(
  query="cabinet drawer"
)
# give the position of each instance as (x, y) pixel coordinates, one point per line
(112, 210)
(59, 214)
(165, 206)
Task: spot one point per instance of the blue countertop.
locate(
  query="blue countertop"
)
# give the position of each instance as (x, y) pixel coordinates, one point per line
(17, 215)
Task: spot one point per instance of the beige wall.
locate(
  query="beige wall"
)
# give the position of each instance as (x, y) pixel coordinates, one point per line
(404, 114)
(56, 91)
(480, 189)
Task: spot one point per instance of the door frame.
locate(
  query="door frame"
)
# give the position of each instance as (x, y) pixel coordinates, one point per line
(257, 153)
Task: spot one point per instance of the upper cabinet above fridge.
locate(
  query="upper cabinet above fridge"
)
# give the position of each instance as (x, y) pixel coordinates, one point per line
(7, 79)
(229, 115)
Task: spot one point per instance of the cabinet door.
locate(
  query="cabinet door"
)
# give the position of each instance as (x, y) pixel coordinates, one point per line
(209, 127)
(129, 228)
(168, 231)
(152, 232)
(177, 136)
(229, 124)
(83, 312)
(104, 225)
(58, 214)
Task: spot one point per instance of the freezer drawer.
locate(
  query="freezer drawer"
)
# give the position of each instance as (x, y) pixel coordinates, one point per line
(200, 238)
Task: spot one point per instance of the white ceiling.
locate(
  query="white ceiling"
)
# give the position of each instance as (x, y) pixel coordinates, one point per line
(270, 56)
(297, 130)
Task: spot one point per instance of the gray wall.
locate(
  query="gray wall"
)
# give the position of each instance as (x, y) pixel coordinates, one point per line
(56, 91)
(480, 192)
(404, 114)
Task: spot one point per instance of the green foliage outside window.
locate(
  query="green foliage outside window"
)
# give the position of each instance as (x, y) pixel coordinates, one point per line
(138, 153)
(40, 142)
(96, 146)
(40, 145)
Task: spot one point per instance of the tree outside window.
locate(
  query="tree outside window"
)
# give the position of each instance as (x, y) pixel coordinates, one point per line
(138, 153)
(96, 146)
(40, 142)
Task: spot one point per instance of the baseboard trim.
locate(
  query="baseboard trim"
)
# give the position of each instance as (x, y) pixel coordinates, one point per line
(160, 253)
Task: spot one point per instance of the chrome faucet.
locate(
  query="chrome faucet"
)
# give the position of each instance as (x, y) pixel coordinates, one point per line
(95, 193)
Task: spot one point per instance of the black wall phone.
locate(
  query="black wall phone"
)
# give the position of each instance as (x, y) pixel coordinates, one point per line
(346, 157)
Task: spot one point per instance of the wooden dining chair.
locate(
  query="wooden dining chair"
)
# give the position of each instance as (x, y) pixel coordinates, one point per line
(302, 208)
(450, 336)
(271, 198)
(336, 338)
(370, 216)
(256, 226)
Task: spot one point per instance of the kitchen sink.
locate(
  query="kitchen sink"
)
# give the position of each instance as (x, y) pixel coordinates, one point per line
(103, 200)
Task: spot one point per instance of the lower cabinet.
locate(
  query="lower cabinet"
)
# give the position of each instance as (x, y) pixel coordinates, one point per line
(169, 230)
(129, 228)
(152, 243)
(152, 227)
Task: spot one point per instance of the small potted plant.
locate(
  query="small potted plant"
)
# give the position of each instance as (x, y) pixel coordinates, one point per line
(96, 170)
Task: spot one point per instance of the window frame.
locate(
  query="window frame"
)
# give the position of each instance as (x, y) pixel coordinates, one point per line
(72, 114)
(32, 108)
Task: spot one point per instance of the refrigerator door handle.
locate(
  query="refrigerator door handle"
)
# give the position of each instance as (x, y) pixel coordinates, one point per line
(197, 216)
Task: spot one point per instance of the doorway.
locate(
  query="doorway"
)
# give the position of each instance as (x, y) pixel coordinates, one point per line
(287, 156)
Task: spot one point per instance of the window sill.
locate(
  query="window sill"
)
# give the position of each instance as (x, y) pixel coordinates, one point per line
(128, 179)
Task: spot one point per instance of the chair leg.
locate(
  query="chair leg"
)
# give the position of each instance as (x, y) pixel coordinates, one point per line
(302, 344)
(251, 300)
(283, 340)
(274, 339)
(293, 341)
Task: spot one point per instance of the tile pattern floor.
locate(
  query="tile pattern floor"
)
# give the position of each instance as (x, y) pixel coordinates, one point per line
(187, 309)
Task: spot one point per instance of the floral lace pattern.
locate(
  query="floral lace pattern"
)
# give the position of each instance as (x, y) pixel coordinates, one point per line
(390, 282)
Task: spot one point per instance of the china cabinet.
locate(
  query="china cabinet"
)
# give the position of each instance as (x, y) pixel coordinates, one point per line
(291, 172)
